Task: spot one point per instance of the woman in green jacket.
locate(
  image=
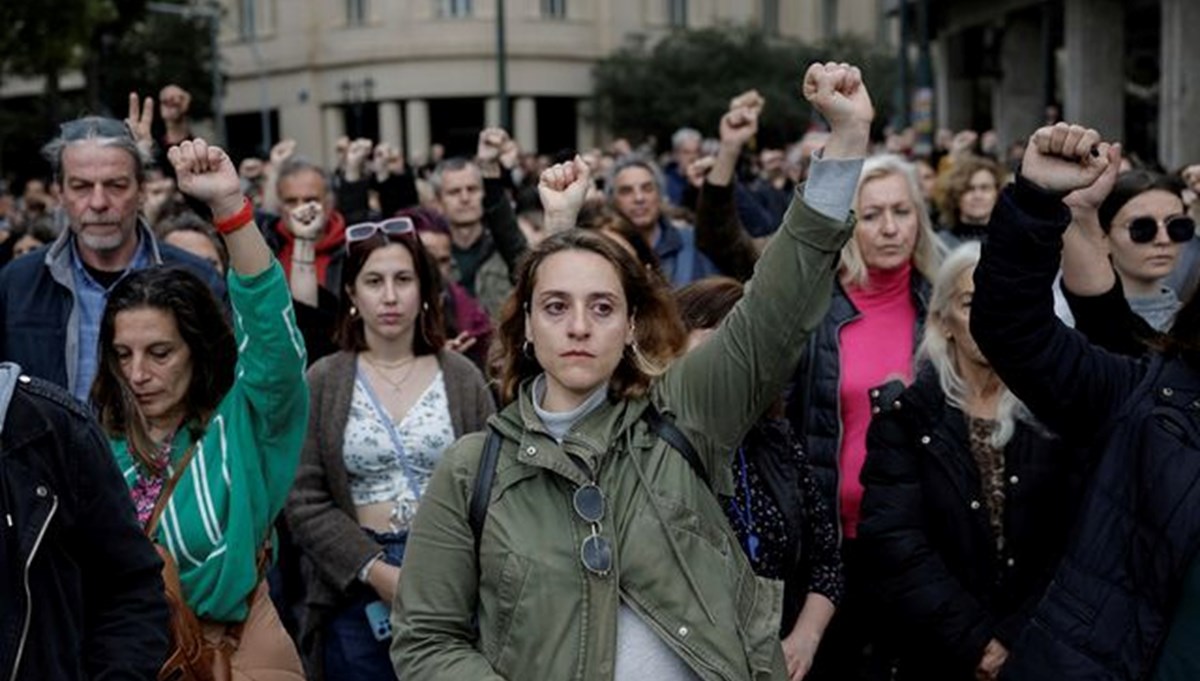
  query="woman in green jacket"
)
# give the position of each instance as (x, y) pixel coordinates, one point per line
(176, 385)
(603, 553)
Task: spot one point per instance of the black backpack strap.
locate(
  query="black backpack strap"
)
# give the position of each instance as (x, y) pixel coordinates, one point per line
(668, 431)
(482, 493)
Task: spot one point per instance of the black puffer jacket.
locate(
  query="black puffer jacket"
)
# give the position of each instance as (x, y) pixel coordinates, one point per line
(1109, 604)
(95, 608)
(926, 537)
(814, 405)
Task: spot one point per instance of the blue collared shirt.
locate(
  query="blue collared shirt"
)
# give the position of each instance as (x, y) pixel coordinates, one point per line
(91, 298)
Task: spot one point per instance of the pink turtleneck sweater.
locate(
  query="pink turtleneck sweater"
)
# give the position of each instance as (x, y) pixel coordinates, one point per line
(875, 348)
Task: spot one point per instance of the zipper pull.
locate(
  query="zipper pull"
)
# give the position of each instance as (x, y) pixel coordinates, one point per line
(8, 519)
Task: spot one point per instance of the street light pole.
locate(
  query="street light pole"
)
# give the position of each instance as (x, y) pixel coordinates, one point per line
(501, 67)
(212, 14)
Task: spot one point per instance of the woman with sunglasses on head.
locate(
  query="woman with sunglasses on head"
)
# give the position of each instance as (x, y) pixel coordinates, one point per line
(597, 547)
(1124, 602)
(383, 410)
(206, 420)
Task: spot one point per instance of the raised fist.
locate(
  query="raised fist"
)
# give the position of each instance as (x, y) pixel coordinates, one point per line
(307, 221)
(750, 99)
(739, 125)
(698, 169)
(282, 151)
(1089, 198)
(838, 93)
(491, 144)
(207, 174)
(357, 153)
(562, 188)
(1062, 158)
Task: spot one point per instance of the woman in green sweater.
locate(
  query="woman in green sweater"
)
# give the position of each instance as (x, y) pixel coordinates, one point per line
(181, 393)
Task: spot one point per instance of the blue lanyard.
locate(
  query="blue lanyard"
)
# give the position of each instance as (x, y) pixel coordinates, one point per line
(746, 514)
(397, 444)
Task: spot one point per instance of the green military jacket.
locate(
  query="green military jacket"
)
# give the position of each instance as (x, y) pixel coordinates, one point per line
(541, 615)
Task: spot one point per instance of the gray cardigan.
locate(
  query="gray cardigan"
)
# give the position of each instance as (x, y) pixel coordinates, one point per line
(320, 511)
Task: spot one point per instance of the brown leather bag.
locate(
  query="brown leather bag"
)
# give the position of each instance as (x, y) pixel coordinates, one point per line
(193, 657)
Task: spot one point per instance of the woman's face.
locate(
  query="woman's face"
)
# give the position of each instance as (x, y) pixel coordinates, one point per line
(578, 322)
(976, 203)
(155, 361)
(387, 294)
(26, 244)
(1146, 263)
(956, 321)
(887, 228)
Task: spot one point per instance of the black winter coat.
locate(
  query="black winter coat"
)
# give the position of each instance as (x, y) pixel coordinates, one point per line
(928, 547)
(814, 402)
(95, 608)
(1108, 607)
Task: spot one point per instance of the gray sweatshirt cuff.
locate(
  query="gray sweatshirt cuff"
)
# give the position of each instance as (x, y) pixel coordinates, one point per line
(831, 184)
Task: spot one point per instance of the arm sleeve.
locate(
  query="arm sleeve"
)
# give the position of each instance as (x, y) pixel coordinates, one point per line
(719, 233)
(826, 575)
(396, 193)
(719, 389)
(1070, 385)
(1108, 321)
(353, 200)
(501, 221)
(126, 615)
(434, 614)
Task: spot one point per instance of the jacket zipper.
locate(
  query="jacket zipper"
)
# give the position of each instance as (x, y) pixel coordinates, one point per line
(28, 596)
(837, 452)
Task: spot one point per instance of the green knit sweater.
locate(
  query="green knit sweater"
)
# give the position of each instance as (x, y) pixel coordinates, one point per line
(225, 502)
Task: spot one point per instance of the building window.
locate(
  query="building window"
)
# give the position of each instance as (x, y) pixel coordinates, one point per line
(770, 17)
(455, 8)
(247, 18)
(356, 12)
(554, 9)
(677, 11)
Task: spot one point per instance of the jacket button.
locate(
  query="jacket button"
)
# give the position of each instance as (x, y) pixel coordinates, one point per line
(1014, 480)
(975, 505)
(896, 404)
(42, 491)
(874, 393)
(531, 451)
(24, 379)
(683, 632)
(1011, 562)
(874, 410)
(1167, 392)
(924, 439)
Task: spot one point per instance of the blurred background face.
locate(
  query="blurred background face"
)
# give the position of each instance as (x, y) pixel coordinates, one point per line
(461, 196)
(636, 197)
(976, 204)
(299, 188)
(887, 228)
(687, 151)
(956, 321)
(198, 245)
(1145, 263)
(438, 247)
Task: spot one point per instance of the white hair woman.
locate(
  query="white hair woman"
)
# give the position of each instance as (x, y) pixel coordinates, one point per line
(967, 500)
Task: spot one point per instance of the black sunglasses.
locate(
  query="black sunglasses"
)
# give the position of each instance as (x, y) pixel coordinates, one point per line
(1180, 229)
(366, 230)
(596, 550)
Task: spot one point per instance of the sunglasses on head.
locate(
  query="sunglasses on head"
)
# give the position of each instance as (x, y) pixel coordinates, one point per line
(1180, 229)
(93, 126)
(366, 230)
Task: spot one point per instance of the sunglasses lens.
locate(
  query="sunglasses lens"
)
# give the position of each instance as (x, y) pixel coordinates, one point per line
(1143, 230)
(1181, 229)
(360, 231)
(589, 503)
(397, 226)
(596, 554)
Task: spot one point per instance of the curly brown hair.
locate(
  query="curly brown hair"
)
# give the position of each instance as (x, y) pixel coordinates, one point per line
(952, 185)
(660, 336)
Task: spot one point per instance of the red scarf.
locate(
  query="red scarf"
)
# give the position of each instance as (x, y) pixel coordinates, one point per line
(334, 239)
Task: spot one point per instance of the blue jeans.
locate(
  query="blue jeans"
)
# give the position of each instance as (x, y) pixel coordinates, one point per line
(352, 652)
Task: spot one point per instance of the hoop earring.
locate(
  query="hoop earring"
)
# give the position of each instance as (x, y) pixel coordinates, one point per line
(425, 307)
(527, 349)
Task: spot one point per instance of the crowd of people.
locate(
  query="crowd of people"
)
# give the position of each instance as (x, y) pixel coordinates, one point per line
(833, 411)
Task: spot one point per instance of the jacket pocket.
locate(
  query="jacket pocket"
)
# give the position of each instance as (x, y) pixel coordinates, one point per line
(509, 591)
(760, 610)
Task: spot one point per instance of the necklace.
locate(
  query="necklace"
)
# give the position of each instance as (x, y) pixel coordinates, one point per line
(398, 384)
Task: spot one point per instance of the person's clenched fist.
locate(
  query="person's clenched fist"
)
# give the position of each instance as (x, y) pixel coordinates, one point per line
(206, 173)
(838, 93)
(1062, 158)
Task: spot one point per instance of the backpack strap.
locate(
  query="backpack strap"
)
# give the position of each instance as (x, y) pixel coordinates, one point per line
(662, 426)
(9, 373)
(482, 494)
(666, 429)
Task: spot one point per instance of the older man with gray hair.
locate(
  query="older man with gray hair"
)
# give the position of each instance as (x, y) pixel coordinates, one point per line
(685, 148)
(51, 300)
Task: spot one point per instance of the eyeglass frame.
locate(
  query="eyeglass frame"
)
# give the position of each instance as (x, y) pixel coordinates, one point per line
(381, 227)
(1138, 233)
(596, 538)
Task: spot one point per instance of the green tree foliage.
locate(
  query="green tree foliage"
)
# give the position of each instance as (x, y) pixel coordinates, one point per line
(688, 78)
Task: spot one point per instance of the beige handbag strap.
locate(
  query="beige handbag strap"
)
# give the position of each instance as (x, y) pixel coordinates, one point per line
(164, 496)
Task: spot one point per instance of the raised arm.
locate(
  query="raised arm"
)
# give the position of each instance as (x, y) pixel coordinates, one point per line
(718, 390)
(1068, 383)
(719, 232)
(498, 214)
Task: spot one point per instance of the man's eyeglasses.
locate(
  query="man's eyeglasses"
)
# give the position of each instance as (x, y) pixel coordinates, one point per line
(1143, 230)
(596, 551)
(93, 126)
(366, 230)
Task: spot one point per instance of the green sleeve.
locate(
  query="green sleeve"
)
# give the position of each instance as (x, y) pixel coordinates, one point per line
(718, 390)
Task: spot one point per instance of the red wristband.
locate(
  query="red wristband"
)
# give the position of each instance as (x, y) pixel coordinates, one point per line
(236, 221)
